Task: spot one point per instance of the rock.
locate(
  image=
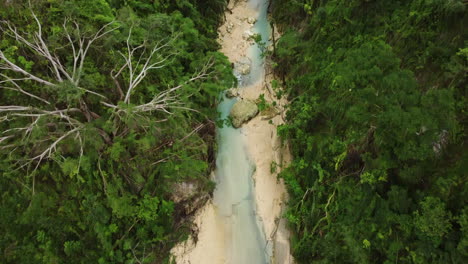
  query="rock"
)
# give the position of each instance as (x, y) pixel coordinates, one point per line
(233, 92)
(244, 60)
(270, 113)
(244, 69)
(229, 27)
(243, 111)
(251, 20)
(183, 191)
(197, 202)
(242, 66)
(247, 34)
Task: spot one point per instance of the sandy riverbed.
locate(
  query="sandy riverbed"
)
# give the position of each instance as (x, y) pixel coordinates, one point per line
(264, 147)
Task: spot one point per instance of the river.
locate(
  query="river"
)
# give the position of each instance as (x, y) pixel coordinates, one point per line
(242, 224)
(234, 193)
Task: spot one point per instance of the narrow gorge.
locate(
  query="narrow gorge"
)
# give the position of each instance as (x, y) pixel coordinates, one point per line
(242, 223)
(233, 131)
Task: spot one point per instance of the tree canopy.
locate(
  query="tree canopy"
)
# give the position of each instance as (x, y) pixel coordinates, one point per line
(377, 124)
(105, 106)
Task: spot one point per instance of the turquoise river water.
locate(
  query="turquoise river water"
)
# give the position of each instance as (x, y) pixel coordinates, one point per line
(234, 193)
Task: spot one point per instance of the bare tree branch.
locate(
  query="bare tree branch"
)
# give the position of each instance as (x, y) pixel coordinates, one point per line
(169, 98)
(137, 71)
(80, 48)
(19, 89)
(64, 124)
(11, 66)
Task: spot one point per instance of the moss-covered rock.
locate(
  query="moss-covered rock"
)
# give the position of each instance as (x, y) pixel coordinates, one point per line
(243, 111)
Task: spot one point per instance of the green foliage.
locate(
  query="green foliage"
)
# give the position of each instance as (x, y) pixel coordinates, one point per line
(105, 195)
(377, 124)
(433, 221)
(273, 167)
(262, 103)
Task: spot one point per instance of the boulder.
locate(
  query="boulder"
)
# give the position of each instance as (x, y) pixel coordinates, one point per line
(229, 27)
(270, 113)
(244, 69)
(251, 20)
(270, 48)
(243, 111)
(233, 92)
(242, 66)
(183, 191)
(247, 35)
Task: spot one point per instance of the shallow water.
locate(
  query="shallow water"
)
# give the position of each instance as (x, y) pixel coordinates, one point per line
(234, 193)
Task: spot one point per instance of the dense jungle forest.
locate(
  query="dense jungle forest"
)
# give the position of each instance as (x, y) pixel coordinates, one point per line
(377, 123)
(107, 127)
(106, 105)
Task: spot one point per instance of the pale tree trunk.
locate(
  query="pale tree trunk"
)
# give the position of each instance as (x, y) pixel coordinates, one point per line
(136, 68)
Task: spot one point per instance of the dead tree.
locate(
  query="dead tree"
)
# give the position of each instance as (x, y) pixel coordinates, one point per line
(46, 113)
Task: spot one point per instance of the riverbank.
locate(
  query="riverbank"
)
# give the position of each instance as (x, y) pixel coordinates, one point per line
(268, 155)
(264, 149)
